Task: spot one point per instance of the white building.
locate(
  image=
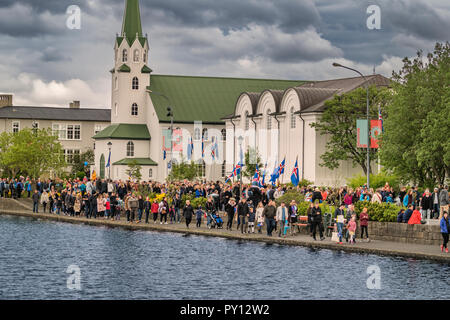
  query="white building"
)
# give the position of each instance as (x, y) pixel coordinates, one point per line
(209, 110)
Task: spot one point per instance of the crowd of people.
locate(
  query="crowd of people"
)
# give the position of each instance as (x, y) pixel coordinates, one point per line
(248, 208)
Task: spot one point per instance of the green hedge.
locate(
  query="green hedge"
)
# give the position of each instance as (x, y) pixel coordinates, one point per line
(378, 212)
(376, 181)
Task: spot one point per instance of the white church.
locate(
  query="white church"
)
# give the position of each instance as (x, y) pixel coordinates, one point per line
(227, 115)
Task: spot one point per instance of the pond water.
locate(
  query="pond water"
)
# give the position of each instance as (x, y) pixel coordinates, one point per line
(120, 264)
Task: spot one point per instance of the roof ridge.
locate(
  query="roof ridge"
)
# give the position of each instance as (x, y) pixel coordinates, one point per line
(221, 77)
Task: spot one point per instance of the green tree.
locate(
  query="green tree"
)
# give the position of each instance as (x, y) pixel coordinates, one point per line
(251, 158)
(79, 160)
(183, 170)
(338, 122)
(31, 152)
(415, 144)
(134, 170)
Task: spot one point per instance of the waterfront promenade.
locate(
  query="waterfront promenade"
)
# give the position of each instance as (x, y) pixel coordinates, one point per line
(416, 251)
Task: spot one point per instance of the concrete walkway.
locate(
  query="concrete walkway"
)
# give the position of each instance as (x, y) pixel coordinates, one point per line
(374, 247)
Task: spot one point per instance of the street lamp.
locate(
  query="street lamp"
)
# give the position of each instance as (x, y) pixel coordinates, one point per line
(337, 65)
(240, 140)
(109, 160)
(169, 115)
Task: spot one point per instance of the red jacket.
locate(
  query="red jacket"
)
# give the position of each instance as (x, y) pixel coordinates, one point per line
(155, 208)
(416, 217)
(364, 219)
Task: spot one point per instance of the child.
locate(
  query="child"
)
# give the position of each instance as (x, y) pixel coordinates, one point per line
(199, 215)
(172, 214)
(352, 229)
(251, 220)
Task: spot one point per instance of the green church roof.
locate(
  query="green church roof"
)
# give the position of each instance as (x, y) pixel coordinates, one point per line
(146, 69)
(139, 161)
(124, 132)
(124, 68)
(206, 99)
(131, 21)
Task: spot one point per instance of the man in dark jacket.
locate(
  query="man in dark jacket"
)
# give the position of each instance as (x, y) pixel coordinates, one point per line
(35, 201)
(188, 212)
(242, 211)
(316, 217)
(270, 211)
(229, 209)
(408, 213)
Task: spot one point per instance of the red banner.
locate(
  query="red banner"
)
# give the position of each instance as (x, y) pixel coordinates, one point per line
(376, 128)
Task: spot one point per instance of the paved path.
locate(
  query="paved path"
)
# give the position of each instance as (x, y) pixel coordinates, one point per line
(373, 247)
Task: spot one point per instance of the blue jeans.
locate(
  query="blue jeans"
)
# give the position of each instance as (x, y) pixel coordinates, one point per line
(35, 207)
(139, 214)
(340, 227)
(270, 226)
(177, 215)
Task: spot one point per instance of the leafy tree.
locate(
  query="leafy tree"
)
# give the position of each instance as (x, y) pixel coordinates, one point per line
(183, 170)
(415, 144)
(134, 170)
(251, 158)
(338, 122)
(31, 152)
(79, 160)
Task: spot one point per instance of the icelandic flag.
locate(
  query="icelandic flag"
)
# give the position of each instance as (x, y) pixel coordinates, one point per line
(203, 148)
(190, 149)
(275, 175)
(230, 177)
(294, 177)
(109, 160)
(282, 166)
(214, 148)
(264, 174)
(237, 169)
(257, 176)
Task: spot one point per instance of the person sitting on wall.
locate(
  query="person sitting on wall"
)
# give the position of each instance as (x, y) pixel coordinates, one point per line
(400, 215)
(408, 213)
(416, 218)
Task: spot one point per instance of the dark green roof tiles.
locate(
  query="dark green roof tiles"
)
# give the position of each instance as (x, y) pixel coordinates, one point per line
(124, 131)
(132, 26)
(139, 161)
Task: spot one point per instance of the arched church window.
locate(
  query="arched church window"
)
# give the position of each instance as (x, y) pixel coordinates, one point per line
(197, 135)
(130, 149)
(269, 120)
(205, 134)
(134, 109)
(224, 135)
(136, 55)
(201, 168)
(145, 56)
(135, 85)
(247, 121)
(116, 109)
(124, 55)
(293, 121)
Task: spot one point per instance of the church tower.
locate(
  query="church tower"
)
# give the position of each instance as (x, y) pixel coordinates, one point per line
(131, 75)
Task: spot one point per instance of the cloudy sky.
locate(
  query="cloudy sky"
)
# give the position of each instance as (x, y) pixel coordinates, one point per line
(42, 62)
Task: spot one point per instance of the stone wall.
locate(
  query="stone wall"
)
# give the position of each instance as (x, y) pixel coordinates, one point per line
(405, 233)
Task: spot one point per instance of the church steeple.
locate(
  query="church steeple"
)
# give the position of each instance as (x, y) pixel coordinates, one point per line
(132, 27)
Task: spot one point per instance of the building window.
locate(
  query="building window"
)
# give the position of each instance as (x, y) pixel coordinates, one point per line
(150, 173)
(197, 136)
(72, 156)
(224, 135)
(136, 55)
(134, 109)
(293, 121)
(116, 83)
(124, 55)
(205, 134)
(145, 56)
(201, 169)
(247, 121)
(269, 120)
(98, 128)
(116, 109)
(224, 169)
(135, 85)
(35, 125)
(130, 149)
(15, 126)
(67, 132)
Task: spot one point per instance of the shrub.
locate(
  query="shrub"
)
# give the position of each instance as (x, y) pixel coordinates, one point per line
(383, 212)
(199, 202)
(376, 181)
(289, 196)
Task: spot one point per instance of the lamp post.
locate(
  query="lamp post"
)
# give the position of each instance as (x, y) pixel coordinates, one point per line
(109, 160)
(240, 140)
(337, 65)
(169, 115)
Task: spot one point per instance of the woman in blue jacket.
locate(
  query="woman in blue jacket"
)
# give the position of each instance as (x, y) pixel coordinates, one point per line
(445, 228)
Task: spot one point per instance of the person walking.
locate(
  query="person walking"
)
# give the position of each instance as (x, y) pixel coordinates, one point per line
(444, 201)
(44, 200)
(445, 229)
(147, 208)
(281, 217)
(35, 201)
(260, 217)
(251, 219)
(242, 211)
(155, 209)
(230, 211)
(339, 215)
(199, 214)
(270, 212)
(364, 223)
(316, 217)
(188, 212)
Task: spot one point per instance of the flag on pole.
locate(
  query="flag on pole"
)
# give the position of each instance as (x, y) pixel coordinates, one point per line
(264, 174)
(275, 175)
(294, 177)
(282, 166)
(257, 176)
(164, 155)
(203, 148)
(190, 149)
(109, 160)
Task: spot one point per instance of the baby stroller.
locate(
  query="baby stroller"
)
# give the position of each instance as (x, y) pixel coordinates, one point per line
(216, 221)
